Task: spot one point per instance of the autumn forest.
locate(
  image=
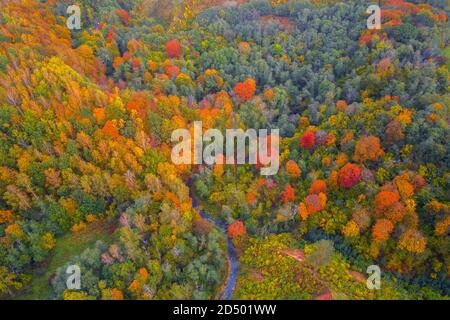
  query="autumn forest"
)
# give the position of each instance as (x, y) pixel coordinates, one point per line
(89, 188)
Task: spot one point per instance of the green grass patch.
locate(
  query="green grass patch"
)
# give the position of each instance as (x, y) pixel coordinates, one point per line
(446, 53)
(68, 246)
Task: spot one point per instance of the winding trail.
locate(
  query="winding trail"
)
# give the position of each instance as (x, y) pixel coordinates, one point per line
(230, 284)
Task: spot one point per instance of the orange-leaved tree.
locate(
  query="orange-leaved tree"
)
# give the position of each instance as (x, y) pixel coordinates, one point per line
(384, 200)
(368, 148)
(382, 230)
(316, 203)
(245, 91)
(288, 194)
(237, 229)
(292, 169)
(318, 186)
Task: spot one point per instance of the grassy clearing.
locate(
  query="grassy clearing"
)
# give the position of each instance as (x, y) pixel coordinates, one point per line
(446, 53)
(68, 246)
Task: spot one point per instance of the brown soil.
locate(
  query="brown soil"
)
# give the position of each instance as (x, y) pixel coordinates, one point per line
(297, 254)
(283, 21)
(358, 276)
(256, 276)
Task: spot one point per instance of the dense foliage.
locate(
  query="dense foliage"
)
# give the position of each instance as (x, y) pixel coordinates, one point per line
(85, 138)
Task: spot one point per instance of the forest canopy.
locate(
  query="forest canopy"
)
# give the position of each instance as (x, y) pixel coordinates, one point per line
(86, 177)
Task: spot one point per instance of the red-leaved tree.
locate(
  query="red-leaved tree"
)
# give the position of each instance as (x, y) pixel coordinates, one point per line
(237, 229)
(308, 140)
(173, 48)
(349, 176)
